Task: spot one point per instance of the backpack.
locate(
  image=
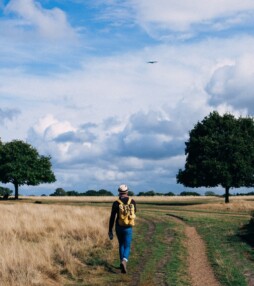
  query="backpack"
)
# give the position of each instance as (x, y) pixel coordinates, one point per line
(126, 213)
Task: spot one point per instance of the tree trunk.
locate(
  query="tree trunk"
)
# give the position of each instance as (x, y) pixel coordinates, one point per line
(227, 194)
(16, 191)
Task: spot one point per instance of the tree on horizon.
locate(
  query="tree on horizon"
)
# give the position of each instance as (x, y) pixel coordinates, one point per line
(21, 164)
(219, 152)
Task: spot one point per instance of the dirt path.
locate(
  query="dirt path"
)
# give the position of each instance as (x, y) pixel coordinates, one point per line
(200, 270)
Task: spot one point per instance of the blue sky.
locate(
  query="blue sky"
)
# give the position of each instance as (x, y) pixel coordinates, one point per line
(75, 83)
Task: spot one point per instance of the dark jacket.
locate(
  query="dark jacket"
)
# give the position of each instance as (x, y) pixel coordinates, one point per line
(115, 211)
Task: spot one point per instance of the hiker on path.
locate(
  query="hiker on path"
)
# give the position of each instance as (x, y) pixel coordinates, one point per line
(123, 210)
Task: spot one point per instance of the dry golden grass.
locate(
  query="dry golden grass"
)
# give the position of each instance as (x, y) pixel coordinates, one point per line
(235, 205)
(136, 198)
(41, 242)
(197, 199)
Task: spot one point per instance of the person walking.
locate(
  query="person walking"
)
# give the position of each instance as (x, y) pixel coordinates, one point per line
(123, 226)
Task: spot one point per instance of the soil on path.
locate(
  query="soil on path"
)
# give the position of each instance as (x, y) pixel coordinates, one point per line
(200, 270)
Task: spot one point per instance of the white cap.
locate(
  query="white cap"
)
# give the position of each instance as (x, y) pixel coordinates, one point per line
(123, 189)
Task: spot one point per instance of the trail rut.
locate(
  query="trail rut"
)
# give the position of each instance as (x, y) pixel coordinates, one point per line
(145, 254)
(200, 270)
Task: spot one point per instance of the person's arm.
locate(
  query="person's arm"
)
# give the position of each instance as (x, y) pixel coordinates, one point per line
(112, 220)
(135, 206)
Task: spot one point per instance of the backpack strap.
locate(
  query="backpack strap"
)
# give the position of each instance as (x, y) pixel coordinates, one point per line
(120, 202)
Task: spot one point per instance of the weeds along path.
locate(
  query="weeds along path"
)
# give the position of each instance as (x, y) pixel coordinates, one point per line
(199, 268)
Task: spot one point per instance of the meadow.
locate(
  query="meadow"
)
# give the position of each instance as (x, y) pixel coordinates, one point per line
(63, 241)
(49, 244)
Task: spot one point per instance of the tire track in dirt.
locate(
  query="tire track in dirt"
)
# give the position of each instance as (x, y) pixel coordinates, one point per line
(146, 253)
(200, 270)
(160, 274)
(159, 271)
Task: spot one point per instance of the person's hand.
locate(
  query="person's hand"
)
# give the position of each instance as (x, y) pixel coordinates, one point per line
(110, 235)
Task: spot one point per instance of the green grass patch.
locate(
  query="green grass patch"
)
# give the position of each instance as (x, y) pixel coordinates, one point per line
(177, 268)
(158, 250)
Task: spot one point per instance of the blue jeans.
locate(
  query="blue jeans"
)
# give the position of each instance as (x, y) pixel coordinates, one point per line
(124, 235)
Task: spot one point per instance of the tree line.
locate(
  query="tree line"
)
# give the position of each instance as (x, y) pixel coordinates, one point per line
(5, 193)
(61, 192)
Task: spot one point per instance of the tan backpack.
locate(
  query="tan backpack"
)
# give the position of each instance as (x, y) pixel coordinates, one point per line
(126, 213)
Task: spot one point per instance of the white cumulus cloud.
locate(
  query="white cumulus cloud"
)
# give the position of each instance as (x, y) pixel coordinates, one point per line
(233, 84)
(190, 16)
(50, 23)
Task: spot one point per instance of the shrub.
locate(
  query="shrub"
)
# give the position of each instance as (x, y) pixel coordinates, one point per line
(169, 194)
(5, 192)
(189, 194)
(210, 193)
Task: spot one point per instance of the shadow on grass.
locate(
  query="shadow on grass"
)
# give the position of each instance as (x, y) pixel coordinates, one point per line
(246, 233)
(12, 199)
(111, 268)
(176, 216)
(95, 261)
(7, 199)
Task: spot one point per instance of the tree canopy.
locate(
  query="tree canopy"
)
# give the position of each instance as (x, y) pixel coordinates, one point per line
(220, 151)
(21, 164)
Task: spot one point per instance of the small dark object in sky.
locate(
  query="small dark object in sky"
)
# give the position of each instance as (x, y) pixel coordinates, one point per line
(152, 62)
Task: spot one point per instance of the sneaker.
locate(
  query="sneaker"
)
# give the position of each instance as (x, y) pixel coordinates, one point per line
(124, 266)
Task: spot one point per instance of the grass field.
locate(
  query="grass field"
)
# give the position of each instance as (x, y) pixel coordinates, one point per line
(63, 241)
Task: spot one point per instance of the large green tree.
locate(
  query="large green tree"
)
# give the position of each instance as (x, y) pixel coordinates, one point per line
(220, 152)
(21, 164)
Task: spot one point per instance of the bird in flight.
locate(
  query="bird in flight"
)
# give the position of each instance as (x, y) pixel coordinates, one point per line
(152, 62)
